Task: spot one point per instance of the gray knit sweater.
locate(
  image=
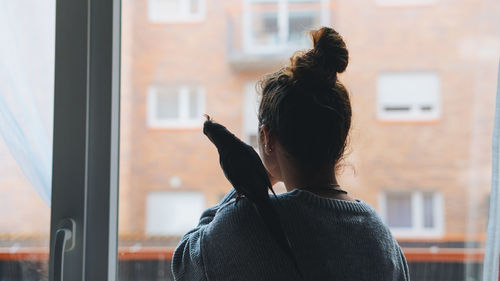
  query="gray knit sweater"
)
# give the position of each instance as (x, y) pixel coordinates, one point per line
(332, 240)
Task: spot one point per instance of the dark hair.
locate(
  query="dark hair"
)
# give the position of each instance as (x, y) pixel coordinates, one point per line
(306, 107)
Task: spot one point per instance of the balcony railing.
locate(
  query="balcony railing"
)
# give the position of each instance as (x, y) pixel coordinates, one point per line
(153, 263)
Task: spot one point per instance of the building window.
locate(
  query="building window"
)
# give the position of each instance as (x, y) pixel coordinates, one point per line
(408, 96)
(250, 111)
(413, 213)
(176, 10)
(271, 26)
(404, 2)
(174, 106)
(173, 213)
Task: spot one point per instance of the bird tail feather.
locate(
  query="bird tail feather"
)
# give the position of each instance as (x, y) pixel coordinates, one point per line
(272, 221)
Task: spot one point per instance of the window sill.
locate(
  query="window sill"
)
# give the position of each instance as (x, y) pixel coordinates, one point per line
(409, 121)
(408, 233)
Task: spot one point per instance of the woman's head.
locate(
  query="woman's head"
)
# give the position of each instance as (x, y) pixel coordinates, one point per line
(305, 108)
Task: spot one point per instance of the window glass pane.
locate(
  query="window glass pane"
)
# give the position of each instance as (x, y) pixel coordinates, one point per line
(195, 105)
(300, 23)
(167, 103)
(163, 211)
(27, 29)
(163, 10)
(422, 82)
(170, 7)
(194, 7)
(428, 208)
(265, 29)
(399, 210)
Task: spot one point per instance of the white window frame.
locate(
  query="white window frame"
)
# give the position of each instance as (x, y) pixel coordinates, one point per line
(184, 15)
(183, 121)
(250, 111)
(283, 23)
(414, 114)
(417, 229)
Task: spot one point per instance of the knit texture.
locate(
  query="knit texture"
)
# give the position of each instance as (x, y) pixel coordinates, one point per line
(332, 240)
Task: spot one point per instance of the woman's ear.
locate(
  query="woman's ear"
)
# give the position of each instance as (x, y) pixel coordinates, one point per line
(266, 148)
(267, 141)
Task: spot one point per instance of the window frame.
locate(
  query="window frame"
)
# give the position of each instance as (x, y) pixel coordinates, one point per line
(417, 229)
(183, 121)
(86, 139)
(283, 20)
(183, 15)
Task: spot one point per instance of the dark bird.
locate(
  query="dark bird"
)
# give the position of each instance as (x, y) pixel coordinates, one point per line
(244, 170)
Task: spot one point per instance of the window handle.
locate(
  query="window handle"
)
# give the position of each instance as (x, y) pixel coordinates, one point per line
(64, 242)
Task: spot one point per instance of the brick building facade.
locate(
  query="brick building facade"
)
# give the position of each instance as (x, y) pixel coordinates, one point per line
(431, 151)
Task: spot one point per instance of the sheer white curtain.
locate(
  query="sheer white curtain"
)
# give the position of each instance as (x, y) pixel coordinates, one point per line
(27, 30)
(490, 269)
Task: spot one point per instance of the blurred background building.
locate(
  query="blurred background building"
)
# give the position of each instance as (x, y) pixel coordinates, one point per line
(422, 79)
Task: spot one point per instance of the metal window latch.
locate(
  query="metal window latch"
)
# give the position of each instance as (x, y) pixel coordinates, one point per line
(64, 242)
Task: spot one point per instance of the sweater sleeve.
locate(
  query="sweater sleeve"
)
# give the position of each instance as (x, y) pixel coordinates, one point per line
(187, 261)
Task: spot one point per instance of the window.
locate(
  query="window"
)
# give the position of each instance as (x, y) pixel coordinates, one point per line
(172, 106)
(407, 96)
(173, 213)
(404, 2)
(176, 10)
(250, 119)
(438, 141)
(413, 214)
(271, 26)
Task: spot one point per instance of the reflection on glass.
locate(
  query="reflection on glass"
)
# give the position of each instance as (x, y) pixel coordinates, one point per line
(27, 30)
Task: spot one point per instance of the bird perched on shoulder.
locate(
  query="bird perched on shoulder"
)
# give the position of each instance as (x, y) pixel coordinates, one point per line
(243, 168)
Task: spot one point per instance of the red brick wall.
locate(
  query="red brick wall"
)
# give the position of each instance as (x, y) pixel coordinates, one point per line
(450, 155)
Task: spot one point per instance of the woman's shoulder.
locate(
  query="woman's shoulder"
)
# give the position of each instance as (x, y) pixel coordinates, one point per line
(300, 200)
(304, 197)
(298, 205)
(235, 211)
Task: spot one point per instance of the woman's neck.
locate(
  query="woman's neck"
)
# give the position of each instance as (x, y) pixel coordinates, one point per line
(295, 178)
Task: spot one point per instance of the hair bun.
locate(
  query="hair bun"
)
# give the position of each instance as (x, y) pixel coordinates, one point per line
(330, 49)
(328, 57)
